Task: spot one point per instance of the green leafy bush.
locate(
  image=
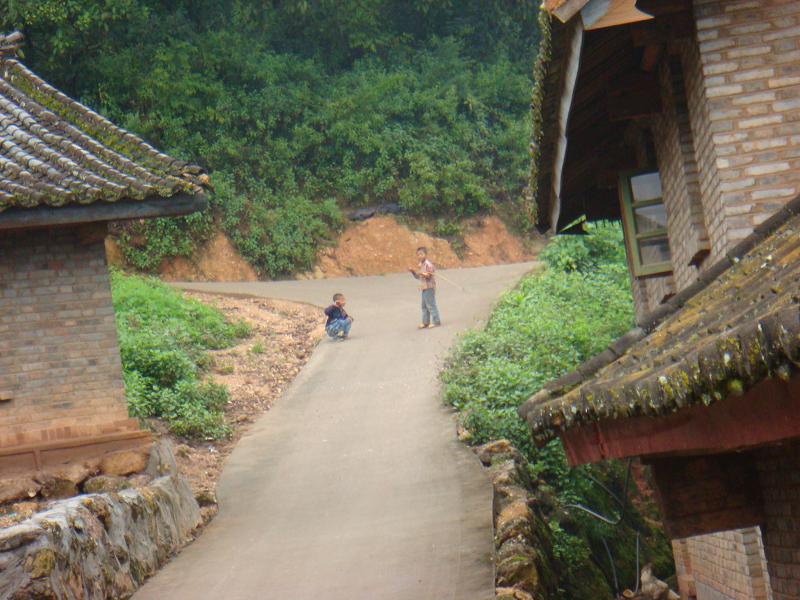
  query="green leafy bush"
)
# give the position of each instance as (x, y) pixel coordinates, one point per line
(163, 339)
(602, 249)
(298, 107)
(145, 244)
(538, 331)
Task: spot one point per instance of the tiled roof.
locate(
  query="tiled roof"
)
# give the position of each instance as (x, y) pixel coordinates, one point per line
(737, 326)
(54, 151)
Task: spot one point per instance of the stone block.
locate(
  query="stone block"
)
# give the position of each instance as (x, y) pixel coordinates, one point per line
(105, 483)
(124, 462)
(19, 488)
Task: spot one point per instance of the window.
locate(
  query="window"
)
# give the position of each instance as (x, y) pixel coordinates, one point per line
(645, 220)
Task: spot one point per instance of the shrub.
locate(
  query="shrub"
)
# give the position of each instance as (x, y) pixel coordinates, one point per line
(295, 107)
(602, 248)
(538, 331)
(194, 409)
(163, 339)
(145, 244)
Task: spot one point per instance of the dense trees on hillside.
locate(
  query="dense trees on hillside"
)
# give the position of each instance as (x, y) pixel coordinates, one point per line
(302, 107)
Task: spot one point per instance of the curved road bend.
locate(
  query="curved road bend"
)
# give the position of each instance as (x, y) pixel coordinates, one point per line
(353, 486)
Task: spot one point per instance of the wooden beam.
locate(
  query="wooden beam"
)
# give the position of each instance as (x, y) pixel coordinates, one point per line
(650, 57)
(47, 216)
(601, 14)
(634, 95)
(564, 10)
(766, 414)
(573, 58)
(663, 30)
(34, 457)
(664, 7)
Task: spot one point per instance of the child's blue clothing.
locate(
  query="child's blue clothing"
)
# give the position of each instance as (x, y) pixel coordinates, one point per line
(338, 321)
(338, 327)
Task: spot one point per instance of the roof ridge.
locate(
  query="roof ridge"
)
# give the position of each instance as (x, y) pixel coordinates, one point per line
(11, 42)
(650, 321)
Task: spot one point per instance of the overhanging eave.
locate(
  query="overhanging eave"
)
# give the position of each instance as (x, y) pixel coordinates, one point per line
(48, 216)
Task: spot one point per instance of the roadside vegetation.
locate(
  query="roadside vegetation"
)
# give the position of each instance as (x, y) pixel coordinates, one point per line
(164, 338)
(300, 110)
(545, 327)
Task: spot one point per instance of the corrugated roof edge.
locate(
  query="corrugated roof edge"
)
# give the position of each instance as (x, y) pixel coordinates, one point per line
(649, 322)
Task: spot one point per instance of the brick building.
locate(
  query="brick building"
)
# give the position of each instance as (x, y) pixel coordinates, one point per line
(682, 117)
(65, 171)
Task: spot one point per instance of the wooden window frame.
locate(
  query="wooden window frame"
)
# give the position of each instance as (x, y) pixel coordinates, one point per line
(632, 238)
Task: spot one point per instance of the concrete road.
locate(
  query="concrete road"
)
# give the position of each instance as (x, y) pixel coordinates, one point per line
(354, 486)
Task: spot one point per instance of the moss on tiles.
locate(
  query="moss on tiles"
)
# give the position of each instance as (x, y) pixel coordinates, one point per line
(739, 330)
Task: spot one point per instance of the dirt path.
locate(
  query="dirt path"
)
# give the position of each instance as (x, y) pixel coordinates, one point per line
(354, 486)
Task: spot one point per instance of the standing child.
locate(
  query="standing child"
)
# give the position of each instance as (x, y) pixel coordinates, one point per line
(427, 283)
(339, 322)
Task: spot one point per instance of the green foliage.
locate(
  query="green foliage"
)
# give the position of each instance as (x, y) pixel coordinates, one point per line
(538, 331)
(298, 107)
(447, 228)
(163, 340)
(603, 250)
(145, 244)
(528, 211)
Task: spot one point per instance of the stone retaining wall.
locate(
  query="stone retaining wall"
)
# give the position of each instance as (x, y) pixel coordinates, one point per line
(97, 545)
(523, 547)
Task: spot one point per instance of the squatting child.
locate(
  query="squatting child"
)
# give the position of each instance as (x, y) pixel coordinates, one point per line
(339, 322)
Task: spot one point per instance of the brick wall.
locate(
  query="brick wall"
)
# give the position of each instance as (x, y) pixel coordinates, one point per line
(731, 565)
(680, 181)
(705, 150)
(649, 292)
(683, 569)
(723, 566)
(779, 474)
(743, 85)
(60, 372)
(728, 140)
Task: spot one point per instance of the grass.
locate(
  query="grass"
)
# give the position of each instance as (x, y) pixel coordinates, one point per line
(164, 340)
(542, 329)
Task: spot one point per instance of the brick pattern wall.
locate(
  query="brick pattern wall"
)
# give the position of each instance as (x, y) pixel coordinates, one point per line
(728, 142)
(60, 371)
(779, 474)
(683, 569)
(649, 292)
(679, 175)
(724, 566)
(743, 84)
(705, 151)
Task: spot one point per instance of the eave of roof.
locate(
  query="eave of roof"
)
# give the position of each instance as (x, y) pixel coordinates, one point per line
(549, 74)
(56, 152)
(738, 325)
(125, 210)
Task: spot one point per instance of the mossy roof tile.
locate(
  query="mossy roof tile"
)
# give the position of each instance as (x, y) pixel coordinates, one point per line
(724, 338)
(55, 151)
